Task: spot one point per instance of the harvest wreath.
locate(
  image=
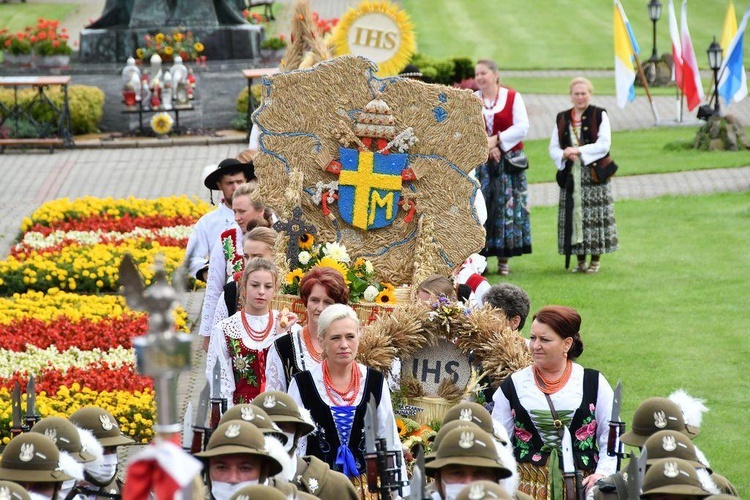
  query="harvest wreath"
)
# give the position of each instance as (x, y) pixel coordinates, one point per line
(484, 333)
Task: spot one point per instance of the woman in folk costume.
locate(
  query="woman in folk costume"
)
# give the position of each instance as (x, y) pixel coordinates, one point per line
(258, 242)
(241, 342)
(319, 288)
(337, 392)
(504, 187)
(535, 403)
(586, 219)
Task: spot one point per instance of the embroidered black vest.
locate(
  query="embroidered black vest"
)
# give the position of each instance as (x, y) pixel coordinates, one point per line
(582, 426)
(590, 121)
(288, 354)
(230, 297)
(324, 442)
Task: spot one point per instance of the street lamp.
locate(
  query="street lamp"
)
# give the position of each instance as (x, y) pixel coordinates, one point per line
(714, 61)
(654, 12)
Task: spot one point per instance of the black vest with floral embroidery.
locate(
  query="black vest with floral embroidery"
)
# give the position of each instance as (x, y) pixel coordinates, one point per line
(528, 444)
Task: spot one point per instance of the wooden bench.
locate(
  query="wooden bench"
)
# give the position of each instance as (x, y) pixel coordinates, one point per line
(267, 8)
(56, 133)
(32, 143)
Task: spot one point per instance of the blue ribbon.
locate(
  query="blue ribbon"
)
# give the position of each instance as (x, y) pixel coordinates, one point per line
(345, 458)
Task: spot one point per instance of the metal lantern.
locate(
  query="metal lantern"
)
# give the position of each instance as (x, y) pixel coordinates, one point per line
(654, 13)
(715, 53)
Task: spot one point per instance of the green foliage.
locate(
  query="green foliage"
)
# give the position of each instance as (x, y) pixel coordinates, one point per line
(666, 311)
(51, 48)
(242, 100)
(434, 69)
(463, 68)
(86, 106)
(274, 43)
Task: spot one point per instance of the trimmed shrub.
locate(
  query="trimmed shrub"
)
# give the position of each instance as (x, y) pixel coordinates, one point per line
(86, 106)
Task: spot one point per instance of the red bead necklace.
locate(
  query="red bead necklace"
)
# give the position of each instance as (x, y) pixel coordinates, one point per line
(257, 335)
(352, 388)
(314, 354)
(493, 103)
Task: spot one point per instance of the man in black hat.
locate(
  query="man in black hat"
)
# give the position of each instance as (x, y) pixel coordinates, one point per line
(224, 177)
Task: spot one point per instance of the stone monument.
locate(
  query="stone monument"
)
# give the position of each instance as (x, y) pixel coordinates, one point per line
(218, 24)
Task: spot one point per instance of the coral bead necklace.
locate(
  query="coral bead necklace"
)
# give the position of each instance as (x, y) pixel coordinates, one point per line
(257, 335)
(335, 394)
(307, 338)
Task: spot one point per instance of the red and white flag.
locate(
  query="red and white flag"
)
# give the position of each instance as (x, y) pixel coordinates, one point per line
(674, 34)
(691, 78)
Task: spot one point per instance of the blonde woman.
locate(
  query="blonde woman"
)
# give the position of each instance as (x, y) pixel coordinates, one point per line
(337, 392)
(580, 139)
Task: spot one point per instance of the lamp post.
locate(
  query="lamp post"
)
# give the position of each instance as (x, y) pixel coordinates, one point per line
(654, 13)
(714, 61)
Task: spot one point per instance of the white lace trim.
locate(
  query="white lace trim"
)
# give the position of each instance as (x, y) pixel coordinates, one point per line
(233, 328)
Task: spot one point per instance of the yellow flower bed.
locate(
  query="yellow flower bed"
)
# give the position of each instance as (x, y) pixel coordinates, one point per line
(55, 303)
(134, 411)
(65, 209)
(82, 269)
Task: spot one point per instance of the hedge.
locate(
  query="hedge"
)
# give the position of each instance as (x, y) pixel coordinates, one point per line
(86, 106)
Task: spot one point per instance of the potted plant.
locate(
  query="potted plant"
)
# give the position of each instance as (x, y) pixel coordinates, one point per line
(18, 49)
(273, 48)
(50, 47)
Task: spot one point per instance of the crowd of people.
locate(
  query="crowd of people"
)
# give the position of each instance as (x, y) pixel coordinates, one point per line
(299, 402)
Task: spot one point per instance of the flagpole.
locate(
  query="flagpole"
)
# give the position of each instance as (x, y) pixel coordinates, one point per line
(645, 86)
(678, 103)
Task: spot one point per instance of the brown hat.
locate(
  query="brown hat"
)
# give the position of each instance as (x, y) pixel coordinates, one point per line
(281, 408)
(13, 491)
(472, 447)
(472, 412)
(444, 430)
(256, 416)
(652, 416)
(230, 165)
(65, 436)
(672, 444)
(258, 491)
(102, 425)
(675, 476)
(483, 490)
(32, 457)
(237, 436)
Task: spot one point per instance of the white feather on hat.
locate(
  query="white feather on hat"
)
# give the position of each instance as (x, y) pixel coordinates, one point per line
(277, 451)
(505, 452)
(707, 483)
(70, 466)
(90, 443)
(306, 416)
(692, 408)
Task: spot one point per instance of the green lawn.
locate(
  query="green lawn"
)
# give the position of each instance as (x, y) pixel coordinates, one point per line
(559, 85)
(650, 151)
(16, 16)
(667, 311)
(533, 34)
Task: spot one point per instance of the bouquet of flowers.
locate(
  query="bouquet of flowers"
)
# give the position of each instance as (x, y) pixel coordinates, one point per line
(178, 43)
(17, 44)
(358, 274)
(252, 17)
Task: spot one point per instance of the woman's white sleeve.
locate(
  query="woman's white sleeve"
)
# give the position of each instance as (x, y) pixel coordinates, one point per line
(599, 149)
(516, 132)
(607, 465)
(275, 377)
(501, 413)
(294, 394)
(217, 278)
(555, 151)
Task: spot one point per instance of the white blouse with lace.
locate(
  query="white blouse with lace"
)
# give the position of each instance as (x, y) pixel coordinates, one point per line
(276, 375)
(217, 348)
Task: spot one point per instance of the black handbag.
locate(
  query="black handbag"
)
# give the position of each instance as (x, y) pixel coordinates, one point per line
(516, 161)
(602, 170)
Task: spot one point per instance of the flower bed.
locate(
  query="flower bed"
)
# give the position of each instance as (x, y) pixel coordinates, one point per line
(78, 347)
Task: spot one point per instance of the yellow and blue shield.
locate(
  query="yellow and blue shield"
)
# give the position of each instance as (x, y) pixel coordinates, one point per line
(369, 187)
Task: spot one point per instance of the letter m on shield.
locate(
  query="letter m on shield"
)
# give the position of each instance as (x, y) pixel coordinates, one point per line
(370, 187)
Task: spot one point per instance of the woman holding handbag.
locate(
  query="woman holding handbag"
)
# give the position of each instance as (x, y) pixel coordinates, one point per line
(579, 146)
(503, 177)
(534, 404)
